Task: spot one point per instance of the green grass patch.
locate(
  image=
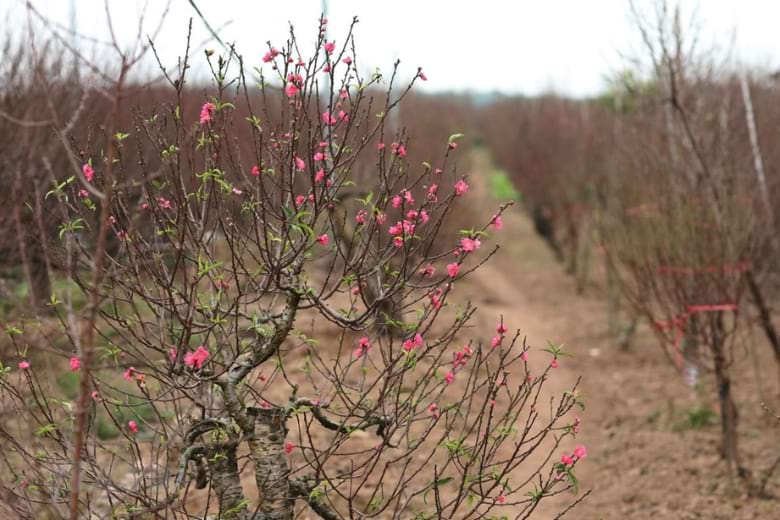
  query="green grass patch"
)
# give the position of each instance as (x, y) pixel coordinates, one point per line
(501, 187)
(696, 418)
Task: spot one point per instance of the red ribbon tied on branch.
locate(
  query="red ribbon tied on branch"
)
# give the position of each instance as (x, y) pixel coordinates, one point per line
(679, 322)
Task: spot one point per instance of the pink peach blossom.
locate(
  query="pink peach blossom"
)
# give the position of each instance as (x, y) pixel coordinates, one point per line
(468, 244)
(197, 358)
(413, 342)
(580, 452)
(362, 348)
(24, 364)
(323, 239)
(270, 55)
(89, 173)
(291, 89)
(497, 222)
(75, 364)
(207, 113)
(453, 269)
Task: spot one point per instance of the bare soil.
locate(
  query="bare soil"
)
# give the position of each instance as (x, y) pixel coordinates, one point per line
(653, 447)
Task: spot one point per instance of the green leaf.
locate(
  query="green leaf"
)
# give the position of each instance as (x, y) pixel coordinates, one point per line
(454, 137)
(45, 429)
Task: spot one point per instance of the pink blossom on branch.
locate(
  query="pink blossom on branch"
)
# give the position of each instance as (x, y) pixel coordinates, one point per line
(453, 269)
(413, 343)
(75, 364)
(362, 348)
(461, 187)
(197, 358)
(497, 222)
(468, 244)
(270, 55)
(580, 452)
(89, 173)
(291, 89)
(207, 113)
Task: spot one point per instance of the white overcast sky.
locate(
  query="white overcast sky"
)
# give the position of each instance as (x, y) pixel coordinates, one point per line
(513, 46)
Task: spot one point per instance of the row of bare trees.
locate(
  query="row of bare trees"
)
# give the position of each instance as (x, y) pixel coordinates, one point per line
(672, 177)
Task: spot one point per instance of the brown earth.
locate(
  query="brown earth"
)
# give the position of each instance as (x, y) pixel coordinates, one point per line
(652, 446)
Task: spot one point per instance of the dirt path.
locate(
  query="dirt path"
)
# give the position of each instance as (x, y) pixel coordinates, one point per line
(526, 285)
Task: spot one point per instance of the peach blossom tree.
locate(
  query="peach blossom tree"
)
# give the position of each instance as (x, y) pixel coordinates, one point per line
(237, 370)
